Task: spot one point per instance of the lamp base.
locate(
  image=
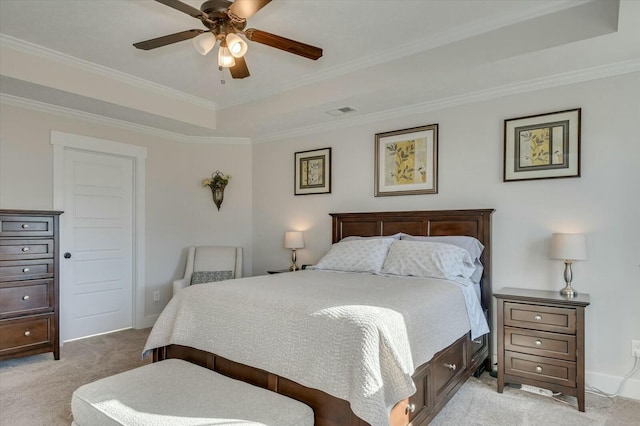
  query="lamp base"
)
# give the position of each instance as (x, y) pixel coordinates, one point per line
(293, 267)
(568, 292)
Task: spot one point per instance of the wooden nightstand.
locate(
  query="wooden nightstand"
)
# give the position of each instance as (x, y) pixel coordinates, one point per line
(277, 271)
(541, 340)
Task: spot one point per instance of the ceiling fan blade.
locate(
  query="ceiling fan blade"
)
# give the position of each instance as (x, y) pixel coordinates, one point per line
(246, 8)
(183, 7)
(285, 44)
(239, 70)
(168, 39)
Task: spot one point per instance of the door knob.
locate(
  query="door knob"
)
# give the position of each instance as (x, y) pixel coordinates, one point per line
(67, 255)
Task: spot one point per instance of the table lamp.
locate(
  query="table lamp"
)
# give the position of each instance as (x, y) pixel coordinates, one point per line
(568, 247)
(293, 240)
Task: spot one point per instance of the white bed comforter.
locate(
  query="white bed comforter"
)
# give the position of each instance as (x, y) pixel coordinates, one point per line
(357, 337)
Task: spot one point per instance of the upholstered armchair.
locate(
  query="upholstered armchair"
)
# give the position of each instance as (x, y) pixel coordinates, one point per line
(208, 263)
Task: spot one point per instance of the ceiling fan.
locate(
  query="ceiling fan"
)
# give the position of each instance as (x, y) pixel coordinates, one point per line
(224, 21)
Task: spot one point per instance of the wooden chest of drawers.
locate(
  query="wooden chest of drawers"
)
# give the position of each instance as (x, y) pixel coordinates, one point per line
(541, 340)
(29, 287)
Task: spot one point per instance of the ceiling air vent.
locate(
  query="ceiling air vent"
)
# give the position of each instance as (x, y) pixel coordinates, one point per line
(340, 111)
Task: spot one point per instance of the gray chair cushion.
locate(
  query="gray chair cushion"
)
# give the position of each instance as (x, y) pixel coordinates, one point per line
(201, 277)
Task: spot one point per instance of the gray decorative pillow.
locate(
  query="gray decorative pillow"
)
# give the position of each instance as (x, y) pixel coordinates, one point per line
(202, 277)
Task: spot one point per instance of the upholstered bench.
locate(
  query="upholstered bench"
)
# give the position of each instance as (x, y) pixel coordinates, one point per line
(176, 392)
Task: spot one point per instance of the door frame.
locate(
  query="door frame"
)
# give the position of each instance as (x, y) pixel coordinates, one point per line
(62, 142)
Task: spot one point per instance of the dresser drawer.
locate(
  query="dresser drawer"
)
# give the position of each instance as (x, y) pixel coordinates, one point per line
(26, 297)
(25, 332)
(553, 345)
(545, 318)
(447, 366)
(26, 226)
(25, 249)
(540, 368)
(26, 270)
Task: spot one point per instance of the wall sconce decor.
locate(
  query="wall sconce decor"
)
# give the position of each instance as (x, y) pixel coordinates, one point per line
(293, 240)
(568, 247)
(217, 182)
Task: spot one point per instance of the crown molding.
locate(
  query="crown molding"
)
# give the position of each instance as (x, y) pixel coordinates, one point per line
(30, 104)
(563, 79)
(409, 48)
(54, 55)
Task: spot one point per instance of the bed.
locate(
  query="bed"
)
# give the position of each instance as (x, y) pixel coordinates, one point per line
(433, 381)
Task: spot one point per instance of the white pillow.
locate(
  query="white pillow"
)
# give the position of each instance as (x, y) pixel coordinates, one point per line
(357, 237)
(428, 259)
(356, 256)
(472, 245)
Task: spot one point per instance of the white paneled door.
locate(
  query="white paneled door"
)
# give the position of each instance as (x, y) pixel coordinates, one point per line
(97, 244)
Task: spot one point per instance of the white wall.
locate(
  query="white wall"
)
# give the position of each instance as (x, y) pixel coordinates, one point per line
(179, 211)
(604, 202)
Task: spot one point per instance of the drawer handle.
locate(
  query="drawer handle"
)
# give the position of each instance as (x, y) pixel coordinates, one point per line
(27, 333)
(411, 408)
(478, 341)
(538, 342)
(25, 226)
(538, 318)
(538, 369)
(25, 249)
(26, 270)
(25, 297)
(451, 367)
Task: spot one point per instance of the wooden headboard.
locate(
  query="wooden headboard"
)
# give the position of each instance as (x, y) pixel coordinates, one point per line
(472, 223)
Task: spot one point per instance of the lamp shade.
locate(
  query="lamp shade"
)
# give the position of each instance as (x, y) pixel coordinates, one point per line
(293, 240)
(204, 43)
(237, 46)
(568, 247)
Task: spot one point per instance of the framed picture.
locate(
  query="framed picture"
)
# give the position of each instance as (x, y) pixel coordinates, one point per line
(542, 146)
(407, 161)
(313, 172)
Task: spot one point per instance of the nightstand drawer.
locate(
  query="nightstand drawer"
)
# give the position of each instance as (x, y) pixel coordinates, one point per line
(540, 368)
(545, 318)
(553, 345)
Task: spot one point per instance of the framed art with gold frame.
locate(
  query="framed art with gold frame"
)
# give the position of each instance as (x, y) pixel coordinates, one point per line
(312, 172)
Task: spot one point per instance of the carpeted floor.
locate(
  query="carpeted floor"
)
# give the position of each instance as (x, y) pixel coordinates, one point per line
(37, 391)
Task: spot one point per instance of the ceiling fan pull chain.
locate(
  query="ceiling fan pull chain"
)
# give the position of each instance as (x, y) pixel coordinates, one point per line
(221, 76)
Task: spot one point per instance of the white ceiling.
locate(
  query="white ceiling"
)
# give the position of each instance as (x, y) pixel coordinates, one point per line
(380, 56)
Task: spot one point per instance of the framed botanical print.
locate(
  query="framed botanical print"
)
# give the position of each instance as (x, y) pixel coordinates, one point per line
(542, 146)
(406, 161)
(313, 172)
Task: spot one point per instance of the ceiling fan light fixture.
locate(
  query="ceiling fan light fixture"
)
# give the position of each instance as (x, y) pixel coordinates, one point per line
(237, 46)
(225, 59)
(204, 43)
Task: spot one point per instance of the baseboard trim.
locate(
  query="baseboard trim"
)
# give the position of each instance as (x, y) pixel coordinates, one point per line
(147, 321)
(609, 384)
(94, 335)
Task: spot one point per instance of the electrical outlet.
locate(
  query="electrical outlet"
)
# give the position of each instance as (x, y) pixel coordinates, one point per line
(156, 296)
(635, 348)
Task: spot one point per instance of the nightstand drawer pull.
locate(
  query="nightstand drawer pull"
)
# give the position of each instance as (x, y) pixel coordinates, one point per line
(25, 297)
(25, 249)
(451, 367)
(538, 318)
(478, 341)
(27, 333)
(25, 226)
(538, 369)
(25, 270)
(411, 408)
(538, 342)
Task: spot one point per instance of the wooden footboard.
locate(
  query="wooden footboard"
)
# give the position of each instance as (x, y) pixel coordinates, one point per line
(436, 382)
